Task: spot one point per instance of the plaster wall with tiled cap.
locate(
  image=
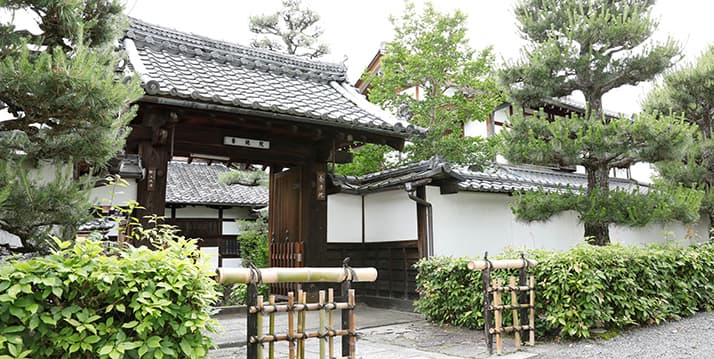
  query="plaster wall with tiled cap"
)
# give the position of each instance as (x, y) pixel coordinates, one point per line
(478, 217)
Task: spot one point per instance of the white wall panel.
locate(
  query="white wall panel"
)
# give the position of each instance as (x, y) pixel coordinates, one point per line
(210, 255)
(230, 228)
(389, 216)
(470, 223)
(344, 218)
(196, 212)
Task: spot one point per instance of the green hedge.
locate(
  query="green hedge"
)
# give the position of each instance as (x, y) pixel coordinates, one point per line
(587, 287)
(87, 301)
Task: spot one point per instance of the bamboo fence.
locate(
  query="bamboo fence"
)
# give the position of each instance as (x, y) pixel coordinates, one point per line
(297, 307)
(521, 298)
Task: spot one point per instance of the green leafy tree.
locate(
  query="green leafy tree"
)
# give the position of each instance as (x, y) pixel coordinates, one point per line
(431, 77)
(368, 158)
(67, 109)
(292, 30)
(590, 46)
(689, 91)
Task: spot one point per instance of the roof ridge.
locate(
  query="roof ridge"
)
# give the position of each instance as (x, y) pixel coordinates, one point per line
(163, 38)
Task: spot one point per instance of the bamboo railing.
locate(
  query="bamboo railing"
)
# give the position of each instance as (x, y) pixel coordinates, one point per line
(522, 301)
(297, 307)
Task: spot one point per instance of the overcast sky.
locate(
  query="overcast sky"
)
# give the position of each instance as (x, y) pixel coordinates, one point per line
(355, 29)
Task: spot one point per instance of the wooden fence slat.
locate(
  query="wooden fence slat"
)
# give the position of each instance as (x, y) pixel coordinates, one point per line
(497, 317)
(514, 312)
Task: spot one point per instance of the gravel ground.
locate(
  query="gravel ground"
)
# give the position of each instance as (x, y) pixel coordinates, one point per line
(686, 338)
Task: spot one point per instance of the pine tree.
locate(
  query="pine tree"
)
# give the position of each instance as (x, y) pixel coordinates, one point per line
(591, 46)
(294, 27)
(67, 112)
(689, 91)
(431, 77)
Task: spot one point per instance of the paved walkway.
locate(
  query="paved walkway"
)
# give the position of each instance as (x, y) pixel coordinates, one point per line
(388, 334)
(382, 333)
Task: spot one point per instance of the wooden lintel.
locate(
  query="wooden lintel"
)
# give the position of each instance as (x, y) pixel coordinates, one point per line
(340, 157)
(449, 187)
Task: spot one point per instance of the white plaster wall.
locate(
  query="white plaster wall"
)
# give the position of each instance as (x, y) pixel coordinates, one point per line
(389, 216)
(230, 228)
(210, 256)
(236, 212)
(344, 218)
(675, 232)
(232, 262)
(501, 115)
(560, 232)
(121, 194)
(470, 223)
(196, 212)
(475, 129)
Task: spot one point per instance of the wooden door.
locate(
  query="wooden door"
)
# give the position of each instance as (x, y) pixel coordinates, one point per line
(287, 248)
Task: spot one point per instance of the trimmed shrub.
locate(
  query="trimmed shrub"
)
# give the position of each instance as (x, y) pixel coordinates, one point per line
(584, 288)
(87, 301)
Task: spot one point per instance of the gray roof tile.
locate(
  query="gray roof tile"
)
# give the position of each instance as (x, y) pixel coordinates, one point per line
(197, 183)
(187, 66)
(496, 178)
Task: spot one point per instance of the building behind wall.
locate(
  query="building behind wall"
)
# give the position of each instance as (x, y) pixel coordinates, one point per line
(200, 205)
(373, 218)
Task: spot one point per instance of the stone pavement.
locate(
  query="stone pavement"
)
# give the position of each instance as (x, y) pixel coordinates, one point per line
(382, 333)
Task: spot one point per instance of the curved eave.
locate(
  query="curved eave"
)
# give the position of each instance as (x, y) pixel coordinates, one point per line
(211, 106)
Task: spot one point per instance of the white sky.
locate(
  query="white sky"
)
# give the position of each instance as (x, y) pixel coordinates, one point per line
(355, 29)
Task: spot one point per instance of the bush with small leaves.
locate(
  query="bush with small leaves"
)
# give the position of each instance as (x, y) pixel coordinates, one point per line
(584, 288)
(87, 300)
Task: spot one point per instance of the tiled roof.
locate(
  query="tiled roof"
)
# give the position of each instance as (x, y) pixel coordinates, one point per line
(424, 171)
(190, 67)
(496, 178)
(197, 183)
(512, 178)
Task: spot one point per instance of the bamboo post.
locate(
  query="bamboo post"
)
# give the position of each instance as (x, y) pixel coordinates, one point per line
(532, 311)
(497, 316)
(352, 333)
(291, 328)
(330, 323)
(514, 302)
(259, 327)
(304, 323)
(300, 328)
(321, 330)
(523, 296)
(486, 279)
(252, 320)
(271, 329)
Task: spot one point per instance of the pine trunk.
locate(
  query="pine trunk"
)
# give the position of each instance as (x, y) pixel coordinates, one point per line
(598, 181)
(598, 176)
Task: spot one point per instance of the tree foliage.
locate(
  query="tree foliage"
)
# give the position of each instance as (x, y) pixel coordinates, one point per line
(590, 46)
(431, 77)
(689, 91)
(86, 300)
(67, 106)
(292, 30)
